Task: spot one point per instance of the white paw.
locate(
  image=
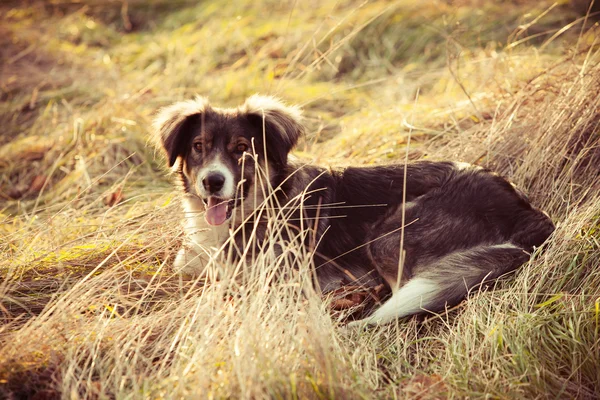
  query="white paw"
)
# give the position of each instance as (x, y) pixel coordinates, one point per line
(188, 262)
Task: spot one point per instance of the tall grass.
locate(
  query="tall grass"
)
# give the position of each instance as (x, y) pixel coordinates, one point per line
(89, 222)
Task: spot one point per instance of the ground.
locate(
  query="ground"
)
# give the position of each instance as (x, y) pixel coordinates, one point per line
(90, 220)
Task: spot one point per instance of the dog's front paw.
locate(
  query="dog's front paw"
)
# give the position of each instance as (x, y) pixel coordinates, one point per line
(189, 263)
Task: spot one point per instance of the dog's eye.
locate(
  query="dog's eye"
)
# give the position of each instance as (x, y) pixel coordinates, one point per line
(242, 147)
(198, 147)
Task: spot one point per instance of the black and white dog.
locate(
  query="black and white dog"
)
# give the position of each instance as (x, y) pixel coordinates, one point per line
(460, 225)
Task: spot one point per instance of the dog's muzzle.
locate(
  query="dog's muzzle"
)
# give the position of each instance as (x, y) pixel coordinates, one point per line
(213, 182)
(218, 206)
(218, 210)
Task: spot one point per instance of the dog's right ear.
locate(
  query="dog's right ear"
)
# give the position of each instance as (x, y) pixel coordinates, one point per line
(171, 123)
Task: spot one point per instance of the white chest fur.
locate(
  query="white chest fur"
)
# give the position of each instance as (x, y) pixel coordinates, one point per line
(201, 240)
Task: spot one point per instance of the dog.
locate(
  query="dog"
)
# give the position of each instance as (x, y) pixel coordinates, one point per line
(426, 232)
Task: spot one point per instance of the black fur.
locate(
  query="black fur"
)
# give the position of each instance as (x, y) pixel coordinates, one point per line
(450, 210)
(174, 136)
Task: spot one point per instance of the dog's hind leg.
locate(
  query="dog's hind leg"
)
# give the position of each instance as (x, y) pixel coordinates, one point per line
(447, 281)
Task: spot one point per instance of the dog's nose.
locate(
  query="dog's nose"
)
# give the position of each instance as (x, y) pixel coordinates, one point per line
(213, 182)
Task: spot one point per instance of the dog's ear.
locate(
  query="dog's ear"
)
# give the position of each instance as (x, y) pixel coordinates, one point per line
(171, 126)
(281, 123)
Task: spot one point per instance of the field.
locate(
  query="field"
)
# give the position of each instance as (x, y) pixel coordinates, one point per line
(90, 221)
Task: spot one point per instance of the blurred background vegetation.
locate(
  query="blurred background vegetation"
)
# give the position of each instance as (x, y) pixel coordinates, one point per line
(81, 79)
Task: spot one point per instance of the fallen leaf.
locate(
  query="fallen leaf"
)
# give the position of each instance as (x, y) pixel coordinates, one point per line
(37, 183)
(352, 295)
(114, 198)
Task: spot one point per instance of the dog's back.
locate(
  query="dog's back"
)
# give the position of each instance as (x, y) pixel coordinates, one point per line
(464, 227)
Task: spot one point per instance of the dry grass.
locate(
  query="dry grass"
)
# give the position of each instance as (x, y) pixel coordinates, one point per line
(90, 306)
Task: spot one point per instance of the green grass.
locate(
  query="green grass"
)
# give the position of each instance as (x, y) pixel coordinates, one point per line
(90, 306)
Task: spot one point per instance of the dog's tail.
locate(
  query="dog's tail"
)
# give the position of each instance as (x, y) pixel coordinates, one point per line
(448, 280)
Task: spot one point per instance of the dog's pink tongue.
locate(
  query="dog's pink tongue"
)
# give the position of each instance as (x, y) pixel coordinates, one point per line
(216, 212)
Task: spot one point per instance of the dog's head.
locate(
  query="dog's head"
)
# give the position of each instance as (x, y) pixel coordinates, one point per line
(216, 149)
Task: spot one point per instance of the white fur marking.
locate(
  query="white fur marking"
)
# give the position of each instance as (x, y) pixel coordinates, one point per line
(506, 245)
(409, 299)
(196, 228)
(463, 165)
(217, 165)
(201, 239)
(407, 206)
